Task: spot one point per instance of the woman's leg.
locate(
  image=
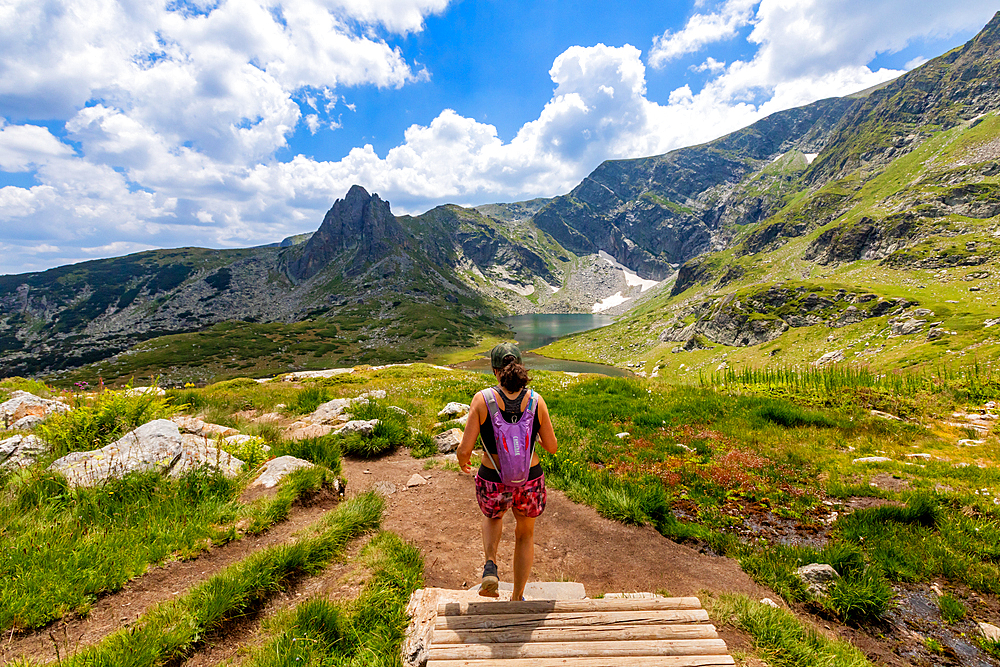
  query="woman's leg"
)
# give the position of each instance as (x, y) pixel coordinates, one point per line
(492, 530)
(524, 552)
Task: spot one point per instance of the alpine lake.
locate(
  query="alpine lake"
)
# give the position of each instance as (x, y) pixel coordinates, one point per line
(536, 330)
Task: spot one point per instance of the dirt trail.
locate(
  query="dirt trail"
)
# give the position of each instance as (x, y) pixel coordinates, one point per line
(572, 542)
(117, 610)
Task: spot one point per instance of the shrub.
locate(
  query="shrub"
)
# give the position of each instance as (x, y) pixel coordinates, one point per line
(952, 609)
(324, 451)
(422, 445)
(308, 400)
(111, 414)
(861, 597)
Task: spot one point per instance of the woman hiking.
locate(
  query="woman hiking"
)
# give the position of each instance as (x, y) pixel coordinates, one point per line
(509, 476)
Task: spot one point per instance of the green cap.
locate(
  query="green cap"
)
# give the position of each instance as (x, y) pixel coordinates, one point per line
(503, 351)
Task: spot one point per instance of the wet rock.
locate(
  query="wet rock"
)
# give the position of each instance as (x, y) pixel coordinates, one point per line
(21, 451)
(453, 410)
(448, 441)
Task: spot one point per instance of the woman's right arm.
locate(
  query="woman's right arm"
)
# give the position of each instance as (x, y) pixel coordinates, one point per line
(471, 434)
(545, 431)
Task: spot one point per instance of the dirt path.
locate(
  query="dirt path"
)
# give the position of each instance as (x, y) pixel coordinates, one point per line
(572, 542)
(117, 610)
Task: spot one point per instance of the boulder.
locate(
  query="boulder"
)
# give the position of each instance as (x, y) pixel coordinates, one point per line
(817, 577)
(331, 412)
(449, 440)
(307, 431)
(830, 358)
(277, 469)
(21, 451)
(27, 422)
(360, 426)
(196, 426)
(156, 445)
(901, 327)
(142, 391)
(309, 375)
(872, 459)
(990, 631)
(22, 404)
(453, 410)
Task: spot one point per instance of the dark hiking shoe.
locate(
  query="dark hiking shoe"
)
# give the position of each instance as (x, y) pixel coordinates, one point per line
(490, 581)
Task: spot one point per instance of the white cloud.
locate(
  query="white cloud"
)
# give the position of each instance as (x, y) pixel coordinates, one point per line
(914, 63)
(177, 115)
(701, 30)
(710, 65)
(22, 146)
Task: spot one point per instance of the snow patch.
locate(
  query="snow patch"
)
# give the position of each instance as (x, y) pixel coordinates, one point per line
(632, 278)
(610, 302)
(810, 157)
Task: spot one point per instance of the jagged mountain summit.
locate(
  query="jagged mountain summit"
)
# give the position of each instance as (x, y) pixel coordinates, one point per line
(810, 219)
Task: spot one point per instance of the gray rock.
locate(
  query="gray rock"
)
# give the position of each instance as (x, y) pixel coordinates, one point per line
(415, 480)
(397, 410)
(310, 375)
(830, 358)
(23, 404)
(817, 577)
(453, 410)
(990, 631)
(373, 394)
(21, 451)
(156, 445)
(360, 426)
(449, 440)
(196, 426)
(935, 333)
(898, 327)
(331, 412)
(384, 488)
(872, 459)
(277, 469)
(27, 422)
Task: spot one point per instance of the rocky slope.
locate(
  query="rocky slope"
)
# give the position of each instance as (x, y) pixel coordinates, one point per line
(866, 194)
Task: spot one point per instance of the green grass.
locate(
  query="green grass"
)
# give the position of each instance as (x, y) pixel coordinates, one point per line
(366, 631)
(60, 548)
(952, 609)
(780, 638)
(100, 419)
(170, 631)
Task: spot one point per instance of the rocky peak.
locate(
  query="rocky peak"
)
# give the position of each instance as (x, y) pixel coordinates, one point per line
(359, 220)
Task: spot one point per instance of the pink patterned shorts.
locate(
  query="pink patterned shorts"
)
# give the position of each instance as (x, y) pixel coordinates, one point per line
(495, 498)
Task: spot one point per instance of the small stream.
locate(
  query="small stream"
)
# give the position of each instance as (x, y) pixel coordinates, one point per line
(534, 331)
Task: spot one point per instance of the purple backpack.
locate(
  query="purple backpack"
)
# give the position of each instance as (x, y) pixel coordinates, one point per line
(514, 447)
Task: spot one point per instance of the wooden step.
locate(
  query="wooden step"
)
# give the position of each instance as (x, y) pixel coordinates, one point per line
(565, 606)
(571, 649)
(575, 619)
(631, 661)
(574, 634)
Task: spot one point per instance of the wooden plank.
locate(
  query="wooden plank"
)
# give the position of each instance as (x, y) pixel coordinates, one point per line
(577, 649)
(609, 618)
(588, 634)
(565, 606)
(633, 661)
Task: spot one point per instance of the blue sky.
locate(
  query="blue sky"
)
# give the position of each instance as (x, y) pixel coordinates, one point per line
(129, 124)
